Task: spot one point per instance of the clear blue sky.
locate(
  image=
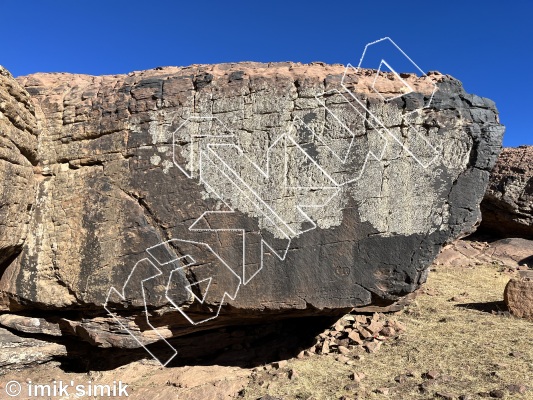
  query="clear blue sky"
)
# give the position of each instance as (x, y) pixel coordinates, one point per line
(488, 45)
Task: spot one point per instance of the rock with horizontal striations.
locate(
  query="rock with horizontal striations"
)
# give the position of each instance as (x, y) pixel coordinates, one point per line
(30, 325)
(507, 207)
(18, 158)
(21, 352)
(518, 296)
(215, 195)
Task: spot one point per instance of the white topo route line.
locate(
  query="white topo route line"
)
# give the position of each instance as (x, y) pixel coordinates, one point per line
(212, 157)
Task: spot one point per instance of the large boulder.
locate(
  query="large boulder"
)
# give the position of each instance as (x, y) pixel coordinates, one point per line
(212, 195)
(507, 207)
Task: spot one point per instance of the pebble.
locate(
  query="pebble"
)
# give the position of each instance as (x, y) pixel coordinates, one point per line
(292, 374)
(342, 359)
(400, 378)
(497, 394)
(344, 350)
(432, 374)
(516, 389)
(445, 396)
(354, 376)
(351, 386)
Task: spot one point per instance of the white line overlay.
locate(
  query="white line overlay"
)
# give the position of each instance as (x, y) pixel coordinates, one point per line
(216, 159)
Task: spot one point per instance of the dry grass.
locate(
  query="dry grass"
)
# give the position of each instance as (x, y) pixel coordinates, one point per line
(468, 347)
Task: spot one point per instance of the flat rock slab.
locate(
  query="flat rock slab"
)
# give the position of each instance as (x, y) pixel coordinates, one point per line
(513, 253)
(215, 195)
(21, 352)
(513, 250)
(145, 380)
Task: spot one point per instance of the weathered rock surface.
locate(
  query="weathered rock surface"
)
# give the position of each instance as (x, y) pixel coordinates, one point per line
(18, 156)
(507, 207)
(513, 253)
(144, 379)
(519, 295)
(19, 352)
(345, 193)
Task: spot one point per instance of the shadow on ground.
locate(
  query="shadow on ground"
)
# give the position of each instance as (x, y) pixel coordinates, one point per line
(491, 307)
(241, 346)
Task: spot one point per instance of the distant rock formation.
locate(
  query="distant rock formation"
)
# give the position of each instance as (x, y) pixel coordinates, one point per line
(507, 207)
(240, 191)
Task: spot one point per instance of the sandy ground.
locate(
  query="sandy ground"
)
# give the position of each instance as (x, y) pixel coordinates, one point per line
(460, 341)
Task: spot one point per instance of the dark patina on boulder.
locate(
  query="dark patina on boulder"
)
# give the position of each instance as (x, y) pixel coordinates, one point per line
(217, 195)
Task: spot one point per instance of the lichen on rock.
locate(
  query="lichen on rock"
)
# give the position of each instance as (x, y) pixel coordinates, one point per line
(344, 195)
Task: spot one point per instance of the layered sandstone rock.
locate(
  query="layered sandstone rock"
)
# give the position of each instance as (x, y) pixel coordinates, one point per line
(22, 352)
(518, 295)
(512, 253)
(18, 156)
(226, 194)
(508, 204)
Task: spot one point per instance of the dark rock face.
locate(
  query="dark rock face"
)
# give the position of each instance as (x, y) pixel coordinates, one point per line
(191, 198)
(507, 207)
